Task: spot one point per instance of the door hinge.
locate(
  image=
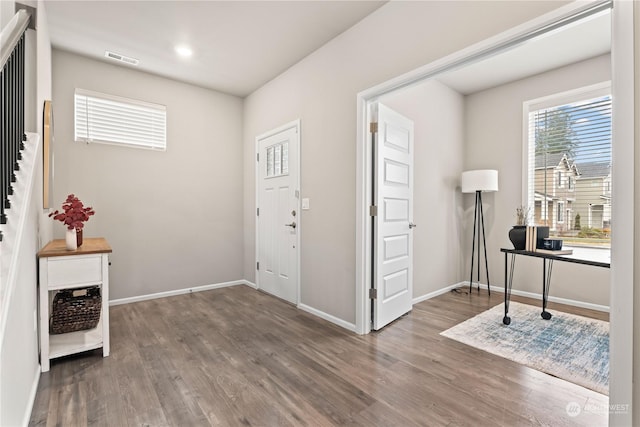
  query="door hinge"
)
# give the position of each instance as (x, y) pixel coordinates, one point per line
(257, 157)
(373, 293)
(258, 265)
(373, 210)
(373, 127)
(258, 211)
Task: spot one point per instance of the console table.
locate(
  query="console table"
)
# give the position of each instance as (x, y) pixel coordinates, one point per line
(63, 269)
(547, 258)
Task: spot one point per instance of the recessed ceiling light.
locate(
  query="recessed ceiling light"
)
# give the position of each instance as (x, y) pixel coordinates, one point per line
(184, 50)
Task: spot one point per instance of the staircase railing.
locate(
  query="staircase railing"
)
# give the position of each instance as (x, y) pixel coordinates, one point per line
(12, 105)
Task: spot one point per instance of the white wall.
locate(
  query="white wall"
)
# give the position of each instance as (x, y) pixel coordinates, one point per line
(494, 141)
(173, 218)
(7, 10)
(438, 115)
(321, 90)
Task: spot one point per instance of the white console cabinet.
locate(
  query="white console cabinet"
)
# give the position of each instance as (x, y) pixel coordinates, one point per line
(63, 269)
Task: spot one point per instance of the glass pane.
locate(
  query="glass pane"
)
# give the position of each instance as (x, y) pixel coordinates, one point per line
(285, 158)
(270, 161)
(278, 159)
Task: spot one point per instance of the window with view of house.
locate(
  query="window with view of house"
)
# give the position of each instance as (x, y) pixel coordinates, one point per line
(568, 178)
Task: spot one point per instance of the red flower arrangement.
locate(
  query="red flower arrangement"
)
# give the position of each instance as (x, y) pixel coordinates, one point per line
(73, 214)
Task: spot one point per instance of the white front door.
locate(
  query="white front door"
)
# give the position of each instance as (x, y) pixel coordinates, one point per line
(393, 229)
(278, 221)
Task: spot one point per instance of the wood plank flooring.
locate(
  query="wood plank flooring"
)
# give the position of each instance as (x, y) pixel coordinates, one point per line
(238, 357)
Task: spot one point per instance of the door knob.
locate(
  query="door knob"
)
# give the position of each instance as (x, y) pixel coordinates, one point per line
(292, 225)
(412, 225)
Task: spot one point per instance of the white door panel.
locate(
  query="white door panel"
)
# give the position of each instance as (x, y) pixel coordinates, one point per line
(278, 211)
(393, 237)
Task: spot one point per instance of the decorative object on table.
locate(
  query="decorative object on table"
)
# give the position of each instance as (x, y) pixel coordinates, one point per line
(73, 216)
(551, 244)
(535, 237)
(542, 233)
(518, 237)
(518, 233)
(71, 239)
(75, 310)
(479, 181)
(573, 348)
(522, 215)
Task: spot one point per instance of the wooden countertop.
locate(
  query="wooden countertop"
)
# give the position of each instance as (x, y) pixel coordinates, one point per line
(90, 245)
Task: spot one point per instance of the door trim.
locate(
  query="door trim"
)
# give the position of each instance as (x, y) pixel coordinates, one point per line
(295, 124)
(622, 253)
(367, 97)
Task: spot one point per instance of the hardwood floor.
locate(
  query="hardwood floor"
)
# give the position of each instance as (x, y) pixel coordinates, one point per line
(238, 357)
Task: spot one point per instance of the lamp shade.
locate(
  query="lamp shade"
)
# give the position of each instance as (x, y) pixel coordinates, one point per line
(479, 180)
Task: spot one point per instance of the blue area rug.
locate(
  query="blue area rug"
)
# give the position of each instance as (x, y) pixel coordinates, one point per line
(567, 346)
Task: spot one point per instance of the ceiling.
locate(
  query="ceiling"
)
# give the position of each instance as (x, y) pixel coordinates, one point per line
(240, 45)
(237, 45)
(584, 39)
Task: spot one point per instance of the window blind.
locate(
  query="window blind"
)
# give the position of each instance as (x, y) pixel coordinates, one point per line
(116, 120)
(569, 182)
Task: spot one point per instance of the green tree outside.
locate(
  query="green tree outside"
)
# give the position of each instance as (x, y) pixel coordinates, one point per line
(554, 133)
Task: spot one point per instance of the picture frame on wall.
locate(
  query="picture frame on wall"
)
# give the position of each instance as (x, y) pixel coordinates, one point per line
(47, 154)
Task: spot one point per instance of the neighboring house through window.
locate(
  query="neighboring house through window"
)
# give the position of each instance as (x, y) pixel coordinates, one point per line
(568, 153)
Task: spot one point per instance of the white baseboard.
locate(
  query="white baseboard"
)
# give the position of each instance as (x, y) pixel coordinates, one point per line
(32, 397)
(537, 296)
(250, 284)
(500, 289)
(328, 317)
(438, 292)
(179, 292)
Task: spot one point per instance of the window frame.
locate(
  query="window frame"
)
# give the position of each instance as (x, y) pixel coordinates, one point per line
(277, 162)
(561, 98)
(149, 144)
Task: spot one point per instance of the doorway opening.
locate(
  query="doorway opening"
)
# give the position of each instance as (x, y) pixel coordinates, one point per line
(622, 187)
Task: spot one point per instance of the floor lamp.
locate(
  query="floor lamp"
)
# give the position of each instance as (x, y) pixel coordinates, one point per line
(479, 181)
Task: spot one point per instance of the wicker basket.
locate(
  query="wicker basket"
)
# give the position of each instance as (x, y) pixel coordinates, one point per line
(75, 310)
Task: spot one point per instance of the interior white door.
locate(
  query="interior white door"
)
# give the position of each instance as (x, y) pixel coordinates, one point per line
(393, 229)
(278, 216)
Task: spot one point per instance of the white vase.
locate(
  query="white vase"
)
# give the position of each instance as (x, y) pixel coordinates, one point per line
(71, 240)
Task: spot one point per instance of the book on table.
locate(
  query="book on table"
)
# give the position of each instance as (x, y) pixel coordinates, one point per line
(558, 252)
(535, 236)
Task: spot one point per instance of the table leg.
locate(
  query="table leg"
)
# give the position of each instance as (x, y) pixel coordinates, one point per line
(508, 284)
(546, 284)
